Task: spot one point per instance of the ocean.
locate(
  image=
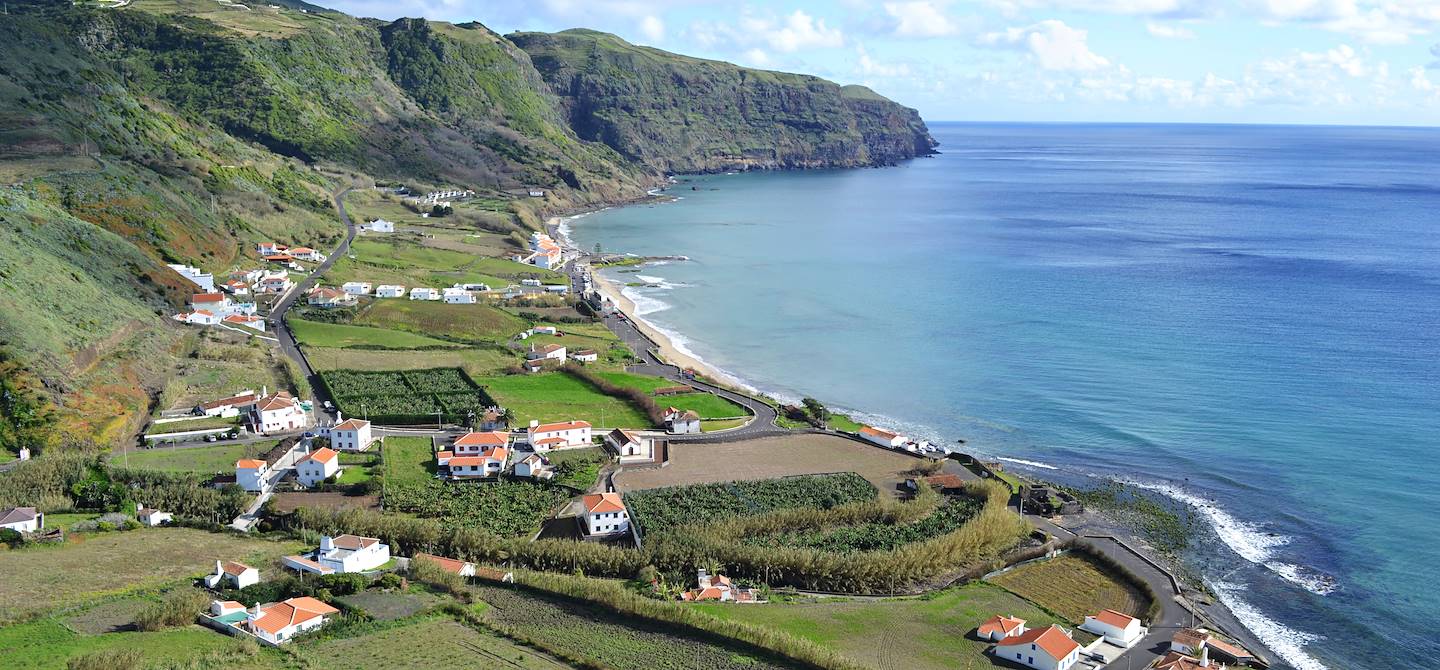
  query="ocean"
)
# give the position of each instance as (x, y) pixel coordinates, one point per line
(1245, 319)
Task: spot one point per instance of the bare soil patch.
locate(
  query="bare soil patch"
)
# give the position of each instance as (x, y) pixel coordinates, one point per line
(289, 502)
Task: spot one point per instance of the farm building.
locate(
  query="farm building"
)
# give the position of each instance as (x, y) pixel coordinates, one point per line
(231, 574)
(424, 293)
(152, 517)
(390, 291)
(548, 352)
(342, 553)
(1047, 648)
(547, 436)
(604, 514)
(22, 519)
(718, 587)
(356, 288)
(586, 356)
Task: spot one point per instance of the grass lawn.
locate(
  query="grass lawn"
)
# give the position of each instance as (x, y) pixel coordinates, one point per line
(197, 423)
(473, 323)
(318, 334)
(88, 567)
(477, 362)
(936, 632)
(432, 643)
(723, 424)
(1073, 586)
(578, 467)
(46, 643)
(707, 405)
(845, 423)
(556, 396)
(408, 460)
(65, 520)
(204, 460)
(388, 606)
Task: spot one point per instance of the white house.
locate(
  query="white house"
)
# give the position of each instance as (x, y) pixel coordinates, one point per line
(245, 321)
(307, 254)
(235, 287)
(547, 436)
(278, 412)
(1189, 642)
(329, 298)
(534, 466)
(380, 226)
(548, 352)
(389, 291)
(883, 437)
(604, 514)
(356, 288)
(586, 356)
(22, 519)
(152, 517)
(232, 574)
(317, 467)
(424, 293)
(252, 474)
(199, 317)
(718, 587)
(529, 282)
(276, 282)
(459, 296)
(342, 553)
(1117, 628)
(487, 463)
(999, 627)
(681, 423)
(271, 248)
(204, 280)
(483, 288)
(351, 435)
(277, 623)
(630, 446)
(544, 330)
(1042, 648)
(474, 443)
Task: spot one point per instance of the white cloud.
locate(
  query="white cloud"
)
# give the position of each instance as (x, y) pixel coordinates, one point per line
(920, 19)
(1054, 45)
(792, 33)
(869, 67)
(1169, 32)
(652, 28)
(1166, 8)
(756, 58)
(1420, 80)
(1371, 21)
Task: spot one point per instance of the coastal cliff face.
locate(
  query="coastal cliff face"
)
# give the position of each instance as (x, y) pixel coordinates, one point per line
(682, 114)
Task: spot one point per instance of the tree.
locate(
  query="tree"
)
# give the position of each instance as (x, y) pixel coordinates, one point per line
(819, 415)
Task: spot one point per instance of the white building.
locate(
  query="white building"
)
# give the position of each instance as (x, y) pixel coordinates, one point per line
(390, 291)
(252, 474)
(629, 446)
(278, 412)
(586, 356)
(380, 226)
(152, 517)
(356, 288)
(529, 282)
(547, 436)
(196, 276)
(487, 463)
(424, 293)
(1043, 649)
(547, 352)
(1000, 627)
(231, 574)
(307, 254)
(199, 317)
(245, 321)
(534, 466)
(679, 422)
(276, 282)
(235, 287)
(329, 298)
(343, 553)
(883, 437)
(474, 443)
(718, 587)
(22, 519)
(544, 330)
(459, 296)
(317, 467)
(351, 435)
(604, 514)
(277, 623)
(271, 248)
(1117, 628)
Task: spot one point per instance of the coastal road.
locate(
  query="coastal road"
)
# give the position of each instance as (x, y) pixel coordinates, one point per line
(286, 338)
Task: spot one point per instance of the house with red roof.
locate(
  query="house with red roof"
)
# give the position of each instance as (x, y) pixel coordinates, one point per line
(999, 627)
(604, 514)
(547, 436)
(342, 553)
(681, 422)
(277, 413)
(232, 575)
(252, 474)
(1117, 628)
(718, 587)
(882, 437)
(273, 624)
(271, 248)
(351, 435)
(306, 254)
(1049, 648)
(319, 466)
(224, 406)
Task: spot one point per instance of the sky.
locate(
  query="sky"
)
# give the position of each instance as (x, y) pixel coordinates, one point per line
(1350, 62)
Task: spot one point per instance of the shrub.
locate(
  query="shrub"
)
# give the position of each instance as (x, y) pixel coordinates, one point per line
(177, 609)
(429, 572)
(109, 659)
(11, 537)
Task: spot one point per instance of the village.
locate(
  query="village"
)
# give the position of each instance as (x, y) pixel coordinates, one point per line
(515, 438)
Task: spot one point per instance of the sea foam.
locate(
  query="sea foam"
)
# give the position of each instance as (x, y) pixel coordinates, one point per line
(1283, 640)
(1033, 464)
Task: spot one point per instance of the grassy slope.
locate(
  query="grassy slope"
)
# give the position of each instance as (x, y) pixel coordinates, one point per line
(1072, 586)
(315, 334)
(46, 644)
(465, 323)
(204, 460)
(707, 405)
(557, 396)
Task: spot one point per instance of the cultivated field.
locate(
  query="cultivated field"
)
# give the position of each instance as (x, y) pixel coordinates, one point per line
(1073, 586)
(435, 643)
(477, 362)
(557, 396)
(91, 566)
(385, 606)
(288, 502)
(661, 510)
(203, 460)
(930, 633)
(771, 457)
(316, 334)
(467, 323)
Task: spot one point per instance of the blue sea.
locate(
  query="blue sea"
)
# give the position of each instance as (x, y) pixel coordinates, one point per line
(1245, 319)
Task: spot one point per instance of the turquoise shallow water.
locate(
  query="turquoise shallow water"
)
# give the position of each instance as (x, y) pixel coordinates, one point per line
(1245, 319)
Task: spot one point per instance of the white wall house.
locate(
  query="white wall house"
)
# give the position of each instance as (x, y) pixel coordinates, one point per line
(231, 574)
(424, 293)
(152, 517)
(629, 446)
(22, 519)
(389, 291)
(277, 623)
(278, 412)
(317, 467)
(473, 443)
(307, 254)
(271, 248)
(198, 277)
(351, 435)
(547, 436)
(679, 422)
(544, 330)
(252, 474)
(534, 466)
(604, 514)
(342, 553)
(1116, 627)
(459, 296)
(356, 288)
(487, 463)
(1042, 648)
(278, 282)
(883, 437)
(380, 226)
(999, 627)
(547, 352)
(586, 356)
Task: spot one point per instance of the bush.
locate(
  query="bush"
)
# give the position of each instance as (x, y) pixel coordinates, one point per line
(109, 659)
(389, 582)
(11, 537)
(179, 608)
(429, 572)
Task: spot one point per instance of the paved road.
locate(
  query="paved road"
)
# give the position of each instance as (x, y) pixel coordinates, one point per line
(282, 467)
(286, 338)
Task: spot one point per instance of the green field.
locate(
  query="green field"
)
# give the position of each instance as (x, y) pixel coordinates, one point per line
(204, 460)
(928, 633)
(432, 643)
(467, 323)
(46, 644)
(556, 396)
(477, 362)
(578, 467)
(316, 334)
(707, 405)
(197, 423)
(397, 260)
(408, 460)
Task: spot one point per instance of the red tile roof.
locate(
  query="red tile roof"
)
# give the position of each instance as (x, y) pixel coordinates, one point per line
(493, 438)
(352, 424)
(565, 425)
(206, 298)
(1000, 625)
(322, 455)
(279, 616)
(451, 565)
(1052, 640)
(1113, 618)
(596, 503)
(249, 463)
(348, 541)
